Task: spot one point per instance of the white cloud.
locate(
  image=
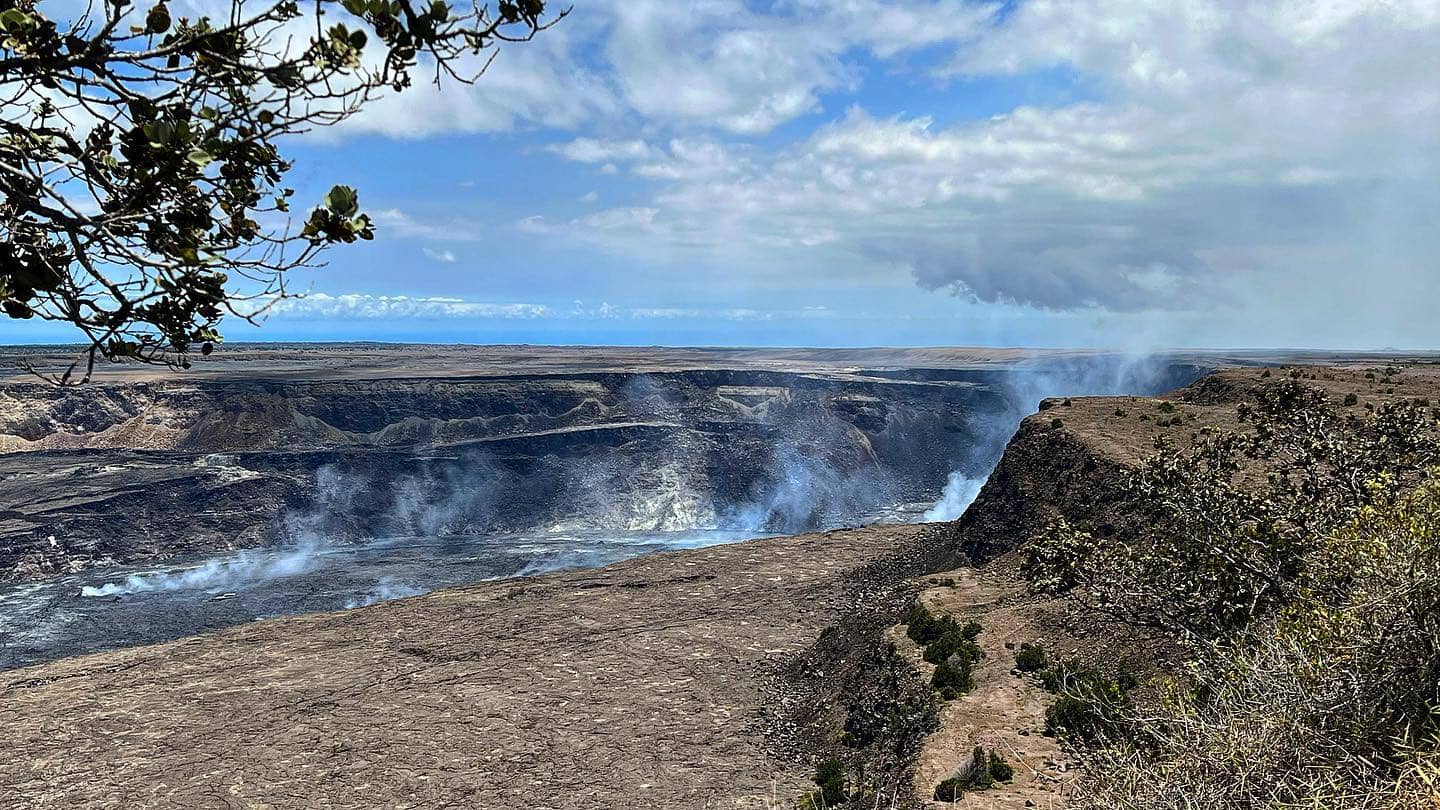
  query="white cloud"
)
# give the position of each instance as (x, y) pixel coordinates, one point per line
(725, 64)
(595, 150)
(442, 256)
(354, 305)
(619, 219)
(1231, 146)
(392, 222)
(1225, 154)
(542, 82)
(398, 307)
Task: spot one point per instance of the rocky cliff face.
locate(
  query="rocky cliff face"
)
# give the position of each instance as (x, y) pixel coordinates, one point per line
(1069, 459)
(129, 471)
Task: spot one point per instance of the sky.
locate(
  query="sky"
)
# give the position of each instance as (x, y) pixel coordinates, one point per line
(1135, 174)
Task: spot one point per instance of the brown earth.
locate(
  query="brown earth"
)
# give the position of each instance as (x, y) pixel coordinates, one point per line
(640, 685)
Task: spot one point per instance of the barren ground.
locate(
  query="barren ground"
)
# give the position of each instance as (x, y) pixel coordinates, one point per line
(638, 685)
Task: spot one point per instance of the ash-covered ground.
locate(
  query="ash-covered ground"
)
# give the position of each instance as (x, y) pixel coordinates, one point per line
(279, 480)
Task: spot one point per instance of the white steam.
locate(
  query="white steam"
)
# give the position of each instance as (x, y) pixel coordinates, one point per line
(960, 492)
(213, 575)
(385, 590)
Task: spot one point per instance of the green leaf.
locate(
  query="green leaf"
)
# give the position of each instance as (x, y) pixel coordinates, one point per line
(343, 200)
(199, 157)
(13, 19)
(158, 20)
(158, 132)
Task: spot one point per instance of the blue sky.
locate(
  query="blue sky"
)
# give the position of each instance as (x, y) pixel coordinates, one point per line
(868, 172)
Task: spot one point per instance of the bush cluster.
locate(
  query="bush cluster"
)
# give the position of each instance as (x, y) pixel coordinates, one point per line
(1030, 658)
(1089, 706)
(832, 790)
(1307, 600)
(949, 645)
(983, 770)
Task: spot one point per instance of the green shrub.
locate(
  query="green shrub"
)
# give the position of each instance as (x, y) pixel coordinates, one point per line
(953, 677)
(923, 627)
(1119, 411)
(955, 642)
(1210, 549)
(830, 777)
(918, 621)
(1351, 399)
(1089, 704)
(1305, 595)
(1057, 423)
(1000, 770)
(977, 771)
(982, 771)
(951, 790)
(1167, 407)
(1031, 658)
(1275, 718)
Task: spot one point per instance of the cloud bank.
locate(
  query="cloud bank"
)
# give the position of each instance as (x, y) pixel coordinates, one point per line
(1249, 166)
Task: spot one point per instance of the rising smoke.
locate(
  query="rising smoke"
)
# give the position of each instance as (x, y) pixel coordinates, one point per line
(1023, 388)
(214, 574)
(801, 468)
(960, 492)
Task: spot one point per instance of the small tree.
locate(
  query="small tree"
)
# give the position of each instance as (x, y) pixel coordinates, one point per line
(140, 159)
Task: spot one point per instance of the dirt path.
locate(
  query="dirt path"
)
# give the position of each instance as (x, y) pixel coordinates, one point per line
(638, 685)
(1005, 712)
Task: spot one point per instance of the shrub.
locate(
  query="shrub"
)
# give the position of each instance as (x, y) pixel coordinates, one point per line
(1089, 704)
(1031, 658)
(1276, 718)
(950, 790)
(830, 777)
(923, 627)
(1307, 598)
(953, 677)
(1119, 411)
(1167, 407)
(1000, 770)
(953, 643)
(1351, 399)
(982, 770)
(1057, 423)
(977, 769)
